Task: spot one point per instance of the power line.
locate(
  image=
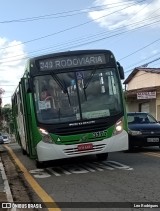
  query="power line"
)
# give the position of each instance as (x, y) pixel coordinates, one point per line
(109, 37)
(146, 64)
(155, 64)
(85, 38)
(89, 42)
(67, 29)
(61, 14)
(140, 49)
(143, 65)
(135, 64)
(78, 40)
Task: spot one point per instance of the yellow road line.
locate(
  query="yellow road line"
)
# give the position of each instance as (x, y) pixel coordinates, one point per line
(152, 154)
(34, 184)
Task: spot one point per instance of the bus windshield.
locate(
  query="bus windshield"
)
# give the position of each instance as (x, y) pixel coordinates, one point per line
(77, 96)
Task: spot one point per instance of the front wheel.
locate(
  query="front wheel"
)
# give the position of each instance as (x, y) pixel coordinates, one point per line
(102, 156)
(24, 152)
(40, 164)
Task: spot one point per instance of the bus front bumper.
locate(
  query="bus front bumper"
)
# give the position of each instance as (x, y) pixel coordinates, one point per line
(47, 151)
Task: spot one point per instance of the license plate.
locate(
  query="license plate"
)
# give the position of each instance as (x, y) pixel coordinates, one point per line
(83, 147)
(152, 139)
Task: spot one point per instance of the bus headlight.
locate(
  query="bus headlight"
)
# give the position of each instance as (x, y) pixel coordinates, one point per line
(118, 127)
(45, 136)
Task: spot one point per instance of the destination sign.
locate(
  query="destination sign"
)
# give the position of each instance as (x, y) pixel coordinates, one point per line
(72, 61)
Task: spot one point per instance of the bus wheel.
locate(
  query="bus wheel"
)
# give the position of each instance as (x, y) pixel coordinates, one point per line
(39, 164)
(24, 152)
(102, 156)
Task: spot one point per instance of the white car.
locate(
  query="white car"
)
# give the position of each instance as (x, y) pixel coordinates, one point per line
(6, 139)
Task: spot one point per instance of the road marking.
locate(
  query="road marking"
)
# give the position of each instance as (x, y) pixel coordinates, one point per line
(152, 154)
(81, 168)
(97, 166)
(118, 165)
(39, 173)
(53, 172)
(36, 187)
(76, 169)
(87, 167)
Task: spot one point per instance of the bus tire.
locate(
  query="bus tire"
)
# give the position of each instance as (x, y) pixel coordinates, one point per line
(39, 164)
(102, 156)
(24, 152)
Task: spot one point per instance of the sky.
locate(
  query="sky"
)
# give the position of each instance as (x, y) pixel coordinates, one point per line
(129, 28)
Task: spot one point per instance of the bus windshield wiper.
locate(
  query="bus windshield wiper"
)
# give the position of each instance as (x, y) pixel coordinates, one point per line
(87, 83)
(62, 85)
(89, 79)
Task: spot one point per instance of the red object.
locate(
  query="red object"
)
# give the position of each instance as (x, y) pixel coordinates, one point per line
(83, 147)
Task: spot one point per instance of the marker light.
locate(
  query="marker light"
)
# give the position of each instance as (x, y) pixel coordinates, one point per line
(45, 136)
(43, 131)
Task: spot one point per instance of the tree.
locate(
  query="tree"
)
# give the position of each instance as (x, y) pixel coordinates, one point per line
(7, 118)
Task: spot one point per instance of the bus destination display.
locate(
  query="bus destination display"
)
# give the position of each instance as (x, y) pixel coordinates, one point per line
(71, 62)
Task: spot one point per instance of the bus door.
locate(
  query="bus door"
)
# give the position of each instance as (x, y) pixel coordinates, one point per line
(21, 119)
(28, 121)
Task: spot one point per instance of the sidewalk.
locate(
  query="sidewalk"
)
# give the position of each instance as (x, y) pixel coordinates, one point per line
(15, 193)
(5, 192)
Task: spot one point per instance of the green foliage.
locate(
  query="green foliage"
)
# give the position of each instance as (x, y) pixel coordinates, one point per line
(6, 119)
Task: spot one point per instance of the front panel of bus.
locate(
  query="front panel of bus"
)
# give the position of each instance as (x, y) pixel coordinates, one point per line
(78, 103)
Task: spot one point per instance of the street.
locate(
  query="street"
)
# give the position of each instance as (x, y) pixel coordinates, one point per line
(124, 177)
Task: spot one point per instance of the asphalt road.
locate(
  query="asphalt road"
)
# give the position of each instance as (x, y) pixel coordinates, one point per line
(124, 177)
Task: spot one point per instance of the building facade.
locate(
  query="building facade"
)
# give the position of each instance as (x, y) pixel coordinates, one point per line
(142, 91)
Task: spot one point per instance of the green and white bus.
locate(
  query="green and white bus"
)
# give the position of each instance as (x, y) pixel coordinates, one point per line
(71, 104)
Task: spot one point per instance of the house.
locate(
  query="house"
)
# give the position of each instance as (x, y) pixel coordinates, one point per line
(142, 91)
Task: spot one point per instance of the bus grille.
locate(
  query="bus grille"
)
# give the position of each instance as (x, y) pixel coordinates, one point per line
(74, 150)
(82, 129)
(68, 142)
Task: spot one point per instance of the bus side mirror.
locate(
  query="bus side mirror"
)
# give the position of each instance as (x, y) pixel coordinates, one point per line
(121, 71)
(29, 86)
